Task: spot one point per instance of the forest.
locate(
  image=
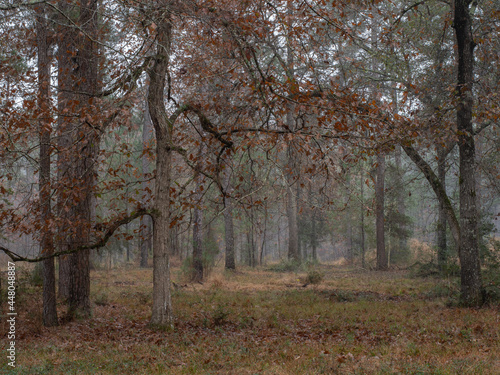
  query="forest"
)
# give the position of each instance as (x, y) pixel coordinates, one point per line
(233, 187)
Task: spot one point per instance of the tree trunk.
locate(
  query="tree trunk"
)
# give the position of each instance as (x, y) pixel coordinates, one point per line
(470, 269)
(362, 219)
(401, 197)
(146, 223)
(382, 260)
(313, 234)
(162, 303)
(197, 266)
(47, 245)
(78, 62)
(85, 70)
(293, 232)
(293, 237)
(228, 221)
(441, 226)
(66, 37)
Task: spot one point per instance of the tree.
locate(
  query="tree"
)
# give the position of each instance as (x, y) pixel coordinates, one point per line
(45, 125)
(382, 259)
(228, 220)
(470, 274)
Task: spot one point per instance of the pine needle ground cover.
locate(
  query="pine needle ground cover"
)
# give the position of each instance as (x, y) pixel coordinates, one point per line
(256, 321)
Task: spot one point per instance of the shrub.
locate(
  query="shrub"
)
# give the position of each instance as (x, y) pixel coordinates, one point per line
(314, 277)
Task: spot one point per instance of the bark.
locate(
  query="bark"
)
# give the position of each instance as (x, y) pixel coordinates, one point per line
(470, 274)
(78, 145)
(65, 98)
(382, 260)
(228, 222)
(85, 71)
(47, 246)
(162, 302)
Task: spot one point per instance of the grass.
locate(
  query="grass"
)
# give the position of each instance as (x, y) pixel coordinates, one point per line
(264, 322)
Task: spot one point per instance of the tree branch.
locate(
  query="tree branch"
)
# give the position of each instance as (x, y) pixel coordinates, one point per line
(112, 227)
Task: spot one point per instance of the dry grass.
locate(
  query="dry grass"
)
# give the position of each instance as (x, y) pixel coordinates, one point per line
(258, 321)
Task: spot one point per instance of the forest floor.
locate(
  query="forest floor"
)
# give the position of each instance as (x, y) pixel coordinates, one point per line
(257, 321)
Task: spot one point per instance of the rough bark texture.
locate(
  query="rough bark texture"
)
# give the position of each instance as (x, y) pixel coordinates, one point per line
(83, 163)
(382, 260)
(65, 98)
(470, 274)
(162, 302)
(78, 145)
(47, 246)
(228, 222)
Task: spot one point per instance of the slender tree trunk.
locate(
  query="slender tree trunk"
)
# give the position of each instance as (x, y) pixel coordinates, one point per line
(293, 236)
(362, 219)
(441, 226)
(198, 237)
(350, 249)
(264, 234)
(228, 221)
(401, 197)
(47, 245)
(382, 260)
(197, 266)
(145, 231)
(313, 234)
(471, 282)
(293, 233)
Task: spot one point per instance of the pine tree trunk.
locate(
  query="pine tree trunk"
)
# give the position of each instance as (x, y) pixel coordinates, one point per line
(470, 269)
(66, 37)
(47, 245)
